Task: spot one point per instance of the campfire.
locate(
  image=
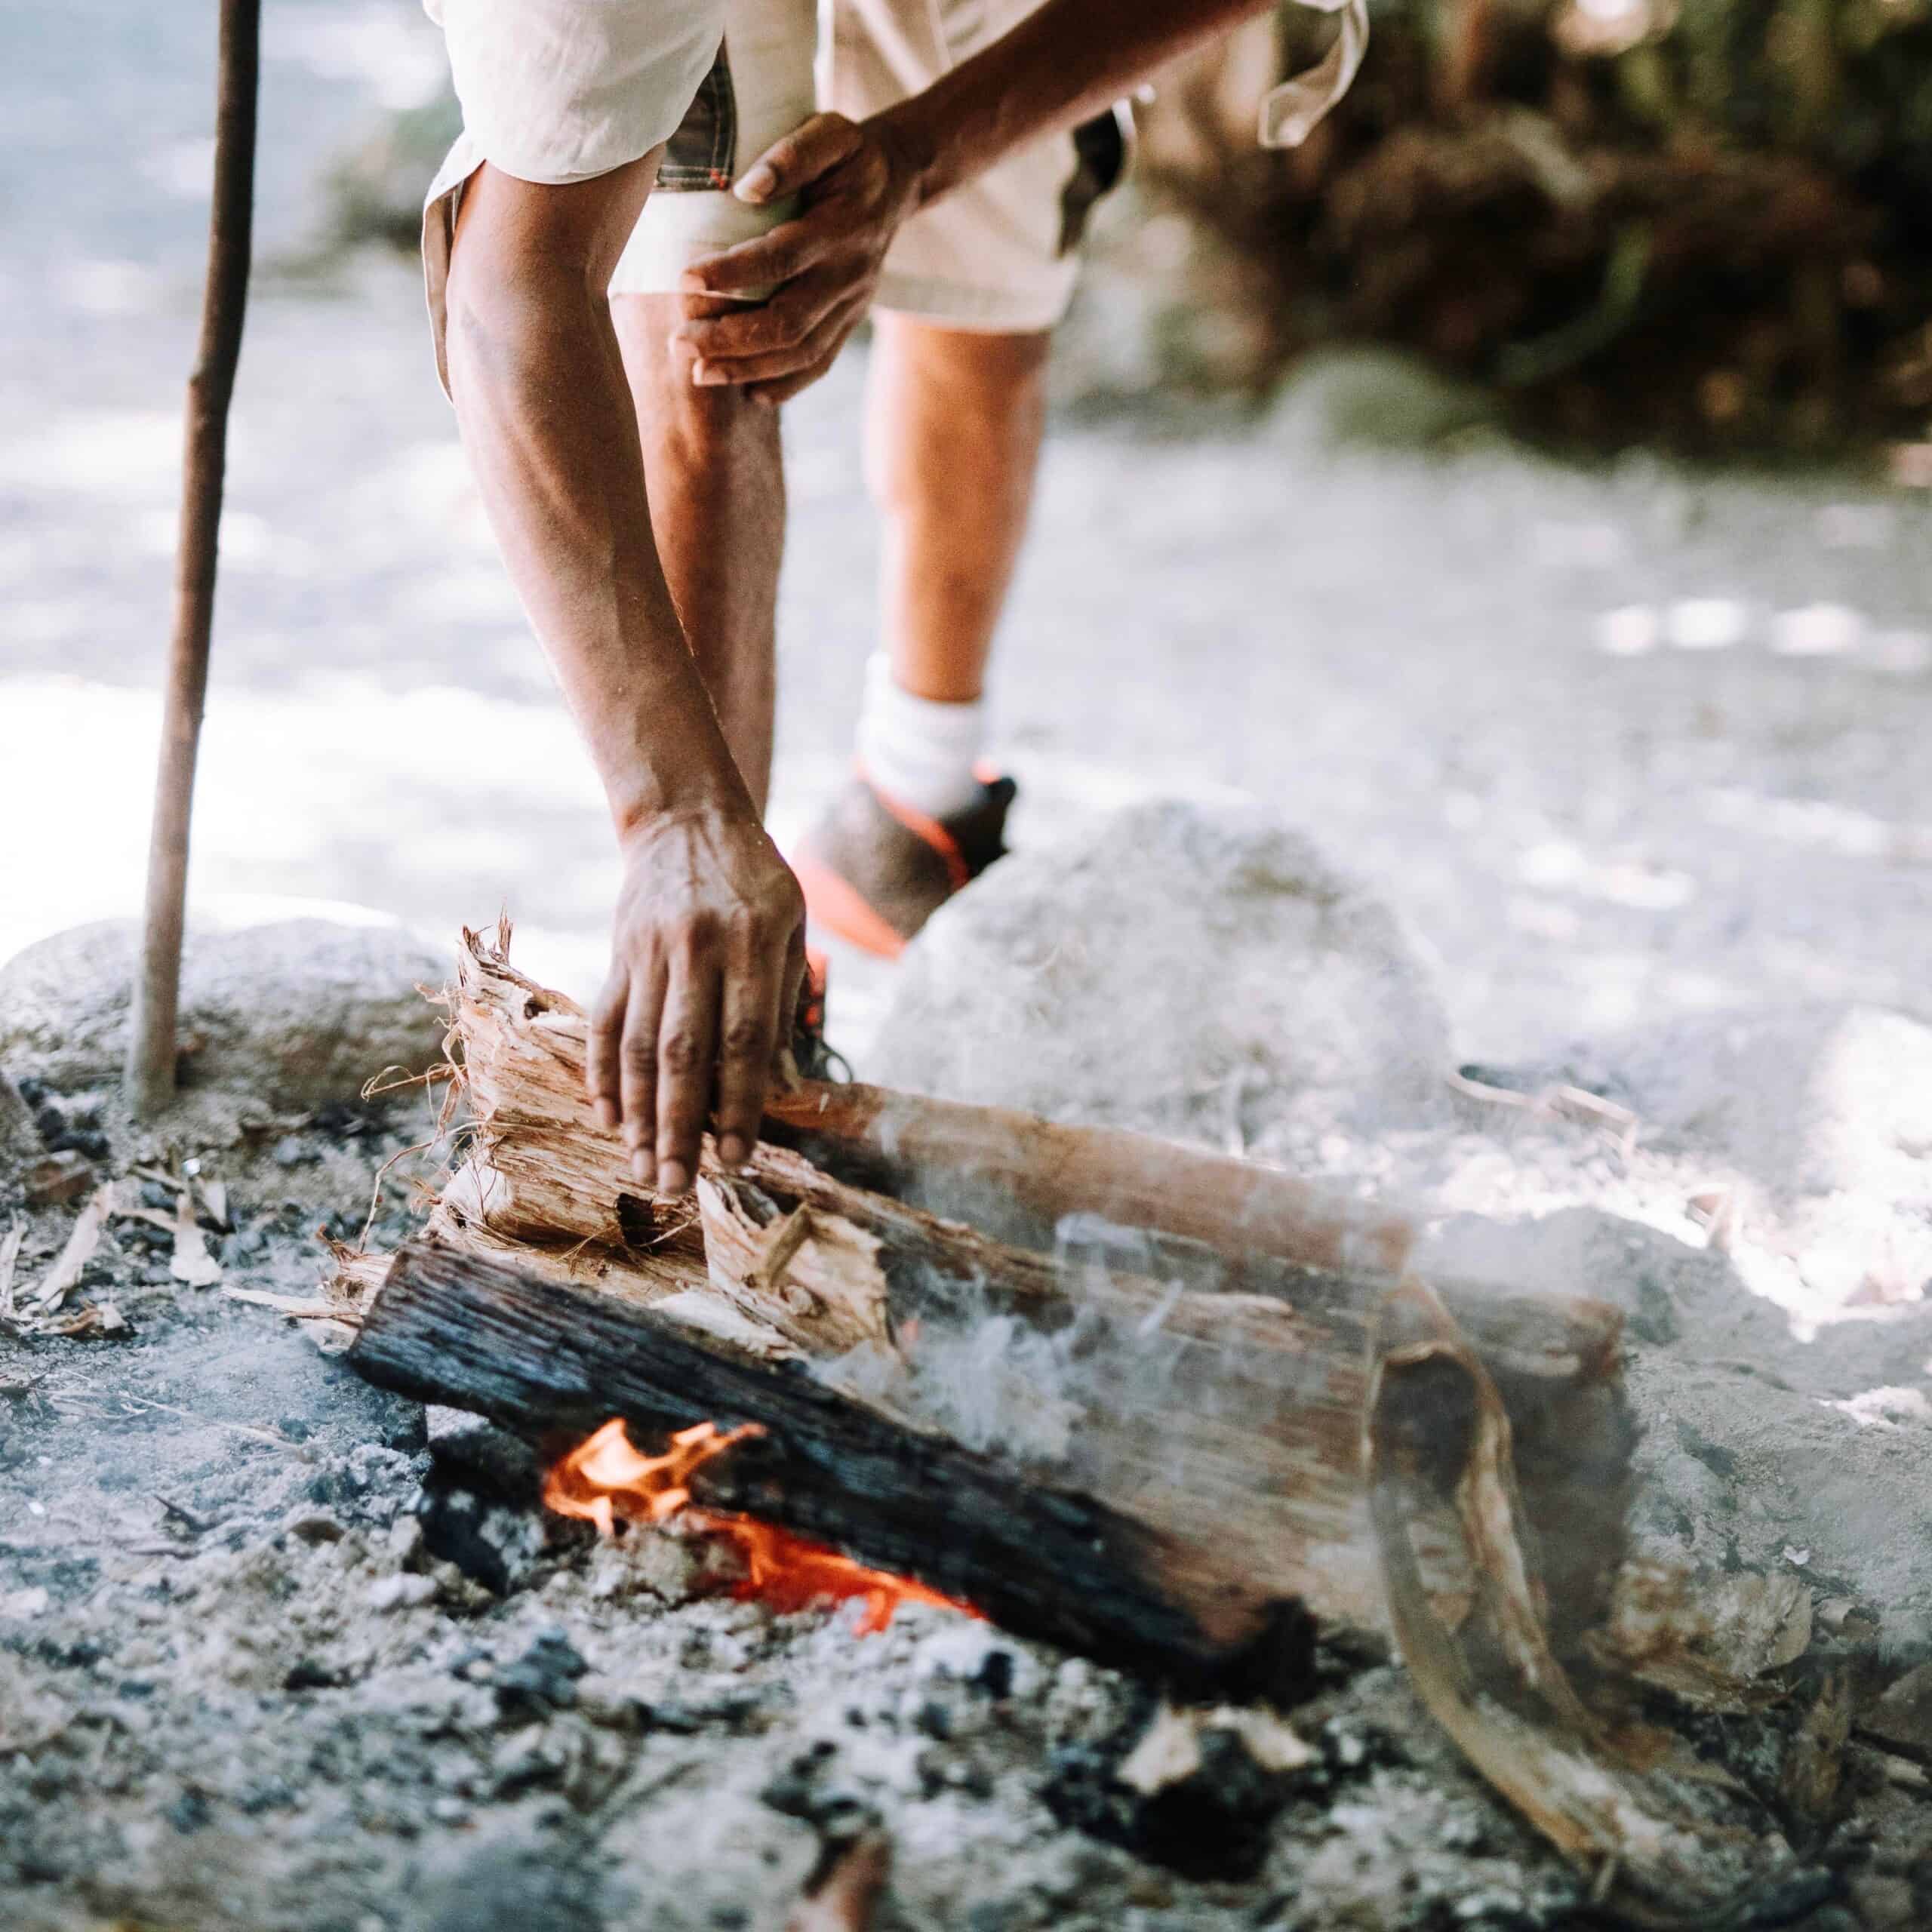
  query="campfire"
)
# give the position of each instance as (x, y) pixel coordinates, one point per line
(1167, 1410)
(605, 1481)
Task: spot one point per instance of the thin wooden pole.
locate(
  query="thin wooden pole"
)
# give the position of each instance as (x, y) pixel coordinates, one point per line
(151, 1044)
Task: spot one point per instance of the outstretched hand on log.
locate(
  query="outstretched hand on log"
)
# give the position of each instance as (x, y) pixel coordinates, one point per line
(706, 958)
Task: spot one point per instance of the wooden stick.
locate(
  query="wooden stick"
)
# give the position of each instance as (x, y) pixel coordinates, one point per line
(151, 1046)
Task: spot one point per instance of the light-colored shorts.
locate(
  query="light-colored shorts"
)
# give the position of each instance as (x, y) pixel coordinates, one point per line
(557, 90)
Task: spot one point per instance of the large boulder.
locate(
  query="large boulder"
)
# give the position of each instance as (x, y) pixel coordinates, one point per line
(297, 1012)
(1196, 971)
(1806, 1100)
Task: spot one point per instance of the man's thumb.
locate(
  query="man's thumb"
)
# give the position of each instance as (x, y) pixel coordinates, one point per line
(797, 159)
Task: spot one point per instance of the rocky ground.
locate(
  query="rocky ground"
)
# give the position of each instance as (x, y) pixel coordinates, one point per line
(242, 1683)
(278, 1650)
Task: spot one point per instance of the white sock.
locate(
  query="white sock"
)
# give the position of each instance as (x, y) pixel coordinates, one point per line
(920, 752)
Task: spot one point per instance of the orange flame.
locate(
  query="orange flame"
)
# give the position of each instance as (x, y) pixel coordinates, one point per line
(605, 1479)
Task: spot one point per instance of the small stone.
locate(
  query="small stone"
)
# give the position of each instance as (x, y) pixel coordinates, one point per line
(290, 1152)
(1884, 1902)
(50, 1121)
(448, 1810)
(313, 1526)
(403, 1592)
(543, 1679)
(405, 1541)
(311, 1674)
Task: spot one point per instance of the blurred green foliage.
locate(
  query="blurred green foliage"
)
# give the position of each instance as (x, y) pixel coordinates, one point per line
(1704, 221)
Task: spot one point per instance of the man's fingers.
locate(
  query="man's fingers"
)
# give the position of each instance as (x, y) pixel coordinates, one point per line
(687, 1068)
(800, 157)
(773, 393)
(602, 1075)
(751, 1019)
(792, 987)
(787, 318)
(787, 251)
(639, 1060)
(819, 346)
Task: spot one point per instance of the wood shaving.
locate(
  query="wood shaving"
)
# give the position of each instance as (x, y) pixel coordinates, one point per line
(59, 1282)
(192, 1262)
(10, 1254)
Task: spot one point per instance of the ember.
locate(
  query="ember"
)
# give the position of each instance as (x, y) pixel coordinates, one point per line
(605, 1479)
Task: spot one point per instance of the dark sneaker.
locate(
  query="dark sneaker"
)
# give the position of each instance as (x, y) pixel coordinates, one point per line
(874, 870)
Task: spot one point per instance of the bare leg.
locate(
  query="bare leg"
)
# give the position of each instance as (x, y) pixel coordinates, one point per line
(953, 424)
(715, 476)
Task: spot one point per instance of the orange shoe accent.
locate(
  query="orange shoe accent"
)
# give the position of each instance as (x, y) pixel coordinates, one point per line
(818, 979)
(927, 831)
(836, 904)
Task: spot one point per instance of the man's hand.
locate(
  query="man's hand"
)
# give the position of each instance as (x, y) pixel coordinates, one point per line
(706, 959)
(857, 182)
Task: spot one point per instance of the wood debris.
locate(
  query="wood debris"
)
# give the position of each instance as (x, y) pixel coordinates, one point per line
(192, 1262)
(60, 1280)
(1169, 1750)
(1450, 1461)
(1670, 1840)
(10, 1255)
(60, 1178)
(842, 1896)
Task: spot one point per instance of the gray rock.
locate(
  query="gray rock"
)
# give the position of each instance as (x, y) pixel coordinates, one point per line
(1194, 970)
(297, 1012)
(1581, 1251)
(1805, 1100)
(1376, 399)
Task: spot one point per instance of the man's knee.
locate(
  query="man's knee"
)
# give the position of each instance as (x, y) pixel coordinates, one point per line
(708, 422)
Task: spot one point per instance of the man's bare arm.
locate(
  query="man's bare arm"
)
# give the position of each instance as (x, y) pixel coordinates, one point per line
(708, 943)
(860, 180)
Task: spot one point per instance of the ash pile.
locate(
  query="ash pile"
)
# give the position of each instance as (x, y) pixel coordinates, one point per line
(278, 1649)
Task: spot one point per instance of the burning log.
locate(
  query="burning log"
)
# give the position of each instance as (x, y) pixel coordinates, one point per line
(1149, 1404)
(1173, 1340)
(1045, 1560)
